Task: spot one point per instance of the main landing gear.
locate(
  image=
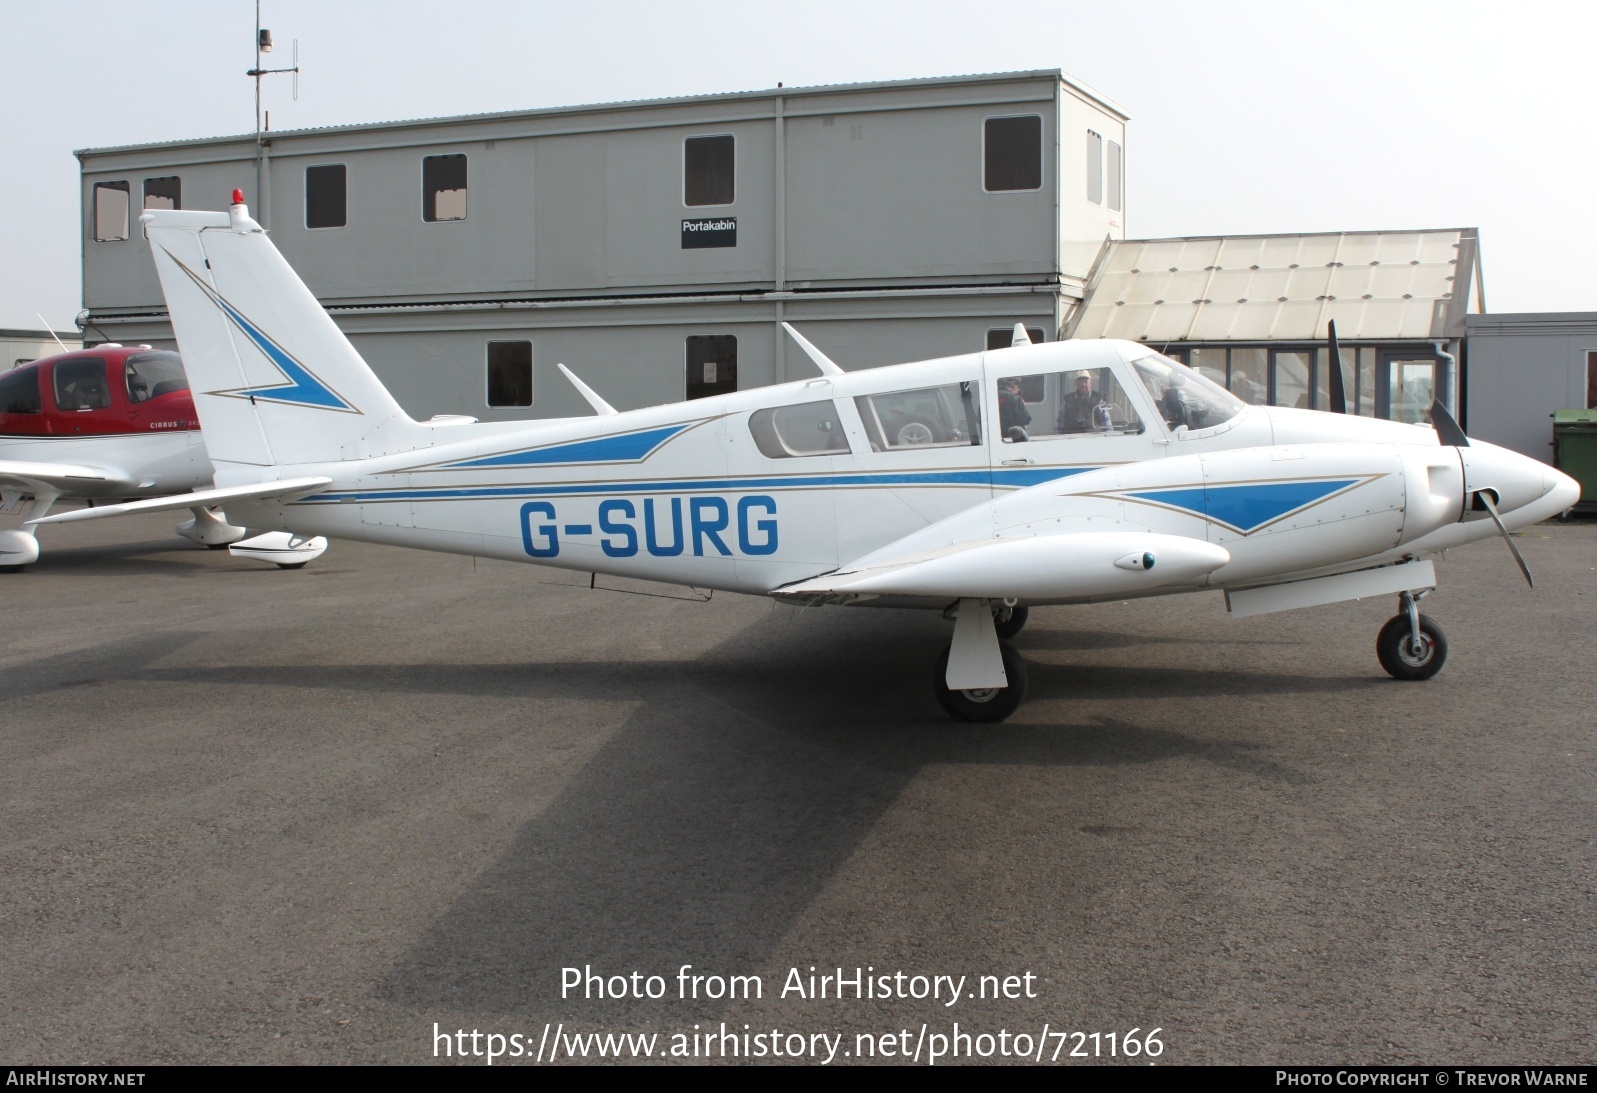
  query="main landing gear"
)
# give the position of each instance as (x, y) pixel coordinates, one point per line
(1411, 646)
(978, 677)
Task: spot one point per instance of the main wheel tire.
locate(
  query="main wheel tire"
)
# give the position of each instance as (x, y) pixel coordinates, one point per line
(1013, 625)
(216, 546)
(292, 565)
(1399, 660)
(986, 706)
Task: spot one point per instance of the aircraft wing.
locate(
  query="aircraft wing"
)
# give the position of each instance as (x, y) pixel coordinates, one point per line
(286, 489)
(1038, 567)
(56, 478)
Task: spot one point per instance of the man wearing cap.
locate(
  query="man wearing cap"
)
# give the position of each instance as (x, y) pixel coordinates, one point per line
(1075, 409)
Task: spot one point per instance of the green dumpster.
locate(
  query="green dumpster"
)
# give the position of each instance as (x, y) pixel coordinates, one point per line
(1575, 452)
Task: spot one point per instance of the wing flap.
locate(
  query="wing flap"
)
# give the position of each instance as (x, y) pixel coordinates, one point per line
(286, 489)
(1061, 566)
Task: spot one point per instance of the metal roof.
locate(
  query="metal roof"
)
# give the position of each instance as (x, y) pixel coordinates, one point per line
(1384, 285)
(632, 104)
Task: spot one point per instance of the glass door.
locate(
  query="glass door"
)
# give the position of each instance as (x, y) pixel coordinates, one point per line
(1406, 385)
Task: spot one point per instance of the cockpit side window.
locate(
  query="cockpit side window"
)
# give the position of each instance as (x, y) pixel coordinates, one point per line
(80, 384)
(19, 392)
(1056, 405)
(1185, 398)
(810, 428)
(151, 375)
(926, 417)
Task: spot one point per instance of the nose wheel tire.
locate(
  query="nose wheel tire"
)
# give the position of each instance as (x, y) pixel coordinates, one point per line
(1014, 624)
(988, 705)
(1397, 652)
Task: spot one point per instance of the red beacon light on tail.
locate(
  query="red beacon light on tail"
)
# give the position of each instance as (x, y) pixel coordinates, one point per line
(238, 197)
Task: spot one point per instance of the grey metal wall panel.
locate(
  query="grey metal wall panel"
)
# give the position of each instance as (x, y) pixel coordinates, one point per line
(387, 249)
(898, 195)
(1521, 369)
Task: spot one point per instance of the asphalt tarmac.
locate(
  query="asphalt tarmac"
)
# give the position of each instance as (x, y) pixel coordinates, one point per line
(251, 815)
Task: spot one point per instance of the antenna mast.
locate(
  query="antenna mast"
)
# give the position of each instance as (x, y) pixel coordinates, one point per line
(263, 44)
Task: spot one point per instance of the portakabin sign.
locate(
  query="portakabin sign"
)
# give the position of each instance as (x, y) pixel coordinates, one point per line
(716, 231)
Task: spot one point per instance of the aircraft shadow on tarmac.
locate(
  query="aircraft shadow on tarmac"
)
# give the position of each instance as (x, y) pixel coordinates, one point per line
(705, 826)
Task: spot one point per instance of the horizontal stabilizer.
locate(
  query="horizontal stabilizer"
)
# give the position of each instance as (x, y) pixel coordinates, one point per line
(286, 489)
(1065, 566)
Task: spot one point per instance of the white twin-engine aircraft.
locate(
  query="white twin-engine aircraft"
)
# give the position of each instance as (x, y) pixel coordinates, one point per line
(978, 485)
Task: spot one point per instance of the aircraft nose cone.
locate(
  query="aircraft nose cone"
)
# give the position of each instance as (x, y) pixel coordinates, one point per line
(1559, 489)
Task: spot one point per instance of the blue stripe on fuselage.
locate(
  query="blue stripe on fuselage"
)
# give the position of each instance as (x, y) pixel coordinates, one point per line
(1007, 478)
(620, 448)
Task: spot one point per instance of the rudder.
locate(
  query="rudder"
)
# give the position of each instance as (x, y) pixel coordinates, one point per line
(275, 381)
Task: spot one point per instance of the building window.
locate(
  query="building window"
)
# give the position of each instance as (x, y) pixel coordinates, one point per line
(1001, 337)
(709, 170)
(1591, 379)
(712, 365)
(1094, 168)
(1116, 176)
(509, 373)
(443, 187)
(163, 193)
(326, 199)
(111, 201)
(1012, 153)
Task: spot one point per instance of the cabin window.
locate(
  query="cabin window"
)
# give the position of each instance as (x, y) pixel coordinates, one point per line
(927, 417)
(1012, 153)
(1116, 176)
(810, 428)
(712, 367)
(165, 192)
(509, 373)
(19, 392)
(153, 374)
(111, 203)
(326, 199)
(709, 169)
(80, 384)
(1080, 403)
(443, 187)
(1094, 168)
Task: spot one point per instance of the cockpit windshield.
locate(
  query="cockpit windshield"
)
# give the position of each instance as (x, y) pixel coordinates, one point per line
(1184, 397)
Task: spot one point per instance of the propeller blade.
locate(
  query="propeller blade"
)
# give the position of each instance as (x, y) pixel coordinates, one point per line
(1447, 429)
(1486, 499)
(1337, 389)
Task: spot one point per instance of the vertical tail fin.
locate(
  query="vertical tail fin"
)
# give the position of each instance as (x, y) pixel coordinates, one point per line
(275, 381)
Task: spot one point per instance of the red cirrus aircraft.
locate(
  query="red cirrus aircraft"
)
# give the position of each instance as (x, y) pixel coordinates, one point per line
(107, 424)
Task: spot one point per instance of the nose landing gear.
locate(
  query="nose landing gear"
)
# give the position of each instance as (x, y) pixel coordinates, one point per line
(1411, 646)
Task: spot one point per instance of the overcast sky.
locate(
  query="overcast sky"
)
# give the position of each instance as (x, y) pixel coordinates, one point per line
(1245, 117)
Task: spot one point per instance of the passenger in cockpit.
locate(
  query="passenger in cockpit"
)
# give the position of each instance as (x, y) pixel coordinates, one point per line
(1076, 408)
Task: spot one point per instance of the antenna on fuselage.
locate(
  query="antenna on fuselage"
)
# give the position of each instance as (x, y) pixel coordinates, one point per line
(600, 406)
(1020, 337)
(822, 361)
(52, 334)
